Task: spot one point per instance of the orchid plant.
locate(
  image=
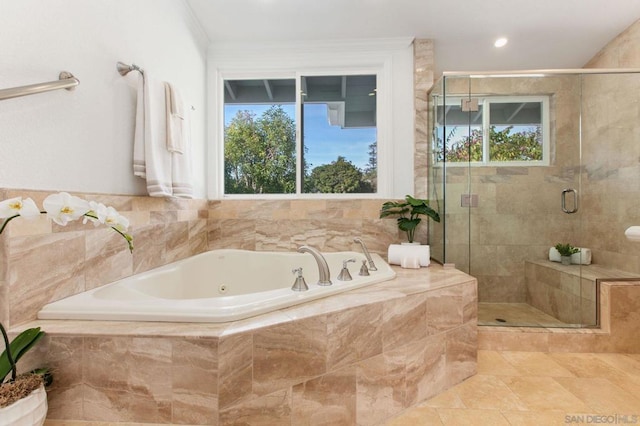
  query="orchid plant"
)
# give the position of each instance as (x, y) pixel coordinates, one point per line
(61, 208)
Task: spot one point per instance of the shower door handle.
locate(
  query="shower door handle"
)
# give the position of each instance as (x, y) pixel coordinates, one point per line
(564, 200)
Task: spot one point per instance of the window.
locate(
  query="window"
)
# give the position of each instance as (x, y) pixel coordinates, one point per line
(305, 135)
(493, 130)
(378, 79)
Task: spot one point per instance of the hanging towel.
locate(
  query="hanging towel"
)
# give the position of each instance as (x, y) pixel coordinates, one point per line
(181, 167)
(175, 119)
(151, 158)
(139, 168)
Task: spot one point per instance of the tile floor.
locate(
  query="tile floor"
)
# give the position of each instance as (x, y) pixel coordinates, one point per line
(529, 388)
(536, 388)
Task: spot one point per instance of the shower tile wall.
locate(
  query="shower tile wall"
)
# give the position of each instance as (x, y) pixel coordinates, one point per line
(518, 216)
(611, 176)
(612, 154)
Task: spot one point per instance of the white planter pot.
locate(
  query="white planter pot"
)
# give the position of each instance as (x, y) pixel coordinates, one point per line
(29, 411)
(409, 255)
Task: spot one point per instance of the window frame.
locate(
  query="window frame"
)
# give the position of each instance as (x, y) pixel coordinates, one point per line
(382, 118)
(486, 101)
(394, 59)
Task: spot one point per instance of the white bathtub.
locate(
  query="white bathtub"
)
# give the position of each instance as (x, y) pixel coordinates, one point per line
(216, 286)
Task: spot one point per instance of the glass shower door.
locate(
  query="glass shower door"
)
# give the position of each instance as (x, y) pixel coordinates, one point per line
(507, 154)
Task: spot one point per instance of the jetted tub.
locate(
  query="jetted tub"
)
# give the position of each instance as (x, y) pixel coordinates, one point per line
(215, 286)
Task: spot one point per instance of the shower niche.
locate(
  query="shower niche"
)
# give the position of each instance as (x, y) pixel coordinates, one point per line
(522, 161)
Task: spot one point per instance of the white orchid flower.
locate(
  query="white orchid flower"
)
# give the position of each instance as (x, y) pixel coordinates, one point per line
(63, 207)
(116, 220)
(107, 215)
(93, 214)
(17, 206)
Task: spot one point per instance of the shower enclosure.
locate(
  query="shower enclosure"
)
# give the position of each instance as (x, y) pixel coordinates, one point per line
(522, 161)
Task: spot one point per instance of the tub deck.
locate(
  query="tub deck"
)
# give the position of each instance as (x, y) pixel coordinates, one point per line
(358, 357)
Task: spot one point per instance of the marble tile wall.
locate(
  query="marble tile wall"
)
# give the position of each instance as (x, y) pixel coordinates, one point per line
(423, 62)
(43, 262)
(285, 225)
(359, 364)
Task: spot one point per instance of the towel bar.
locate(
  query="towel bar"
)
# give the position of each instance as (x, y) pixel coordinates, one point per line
(125, 69)
(66, 80)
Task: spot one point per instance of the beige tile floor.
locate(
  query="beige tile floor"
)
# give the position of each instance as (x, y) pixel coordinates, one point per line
(535, 388)
(528, 388)
(515, 314)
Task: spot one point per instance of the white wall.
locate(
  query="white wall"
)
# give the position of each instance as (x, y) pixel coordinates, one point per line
(82, 140)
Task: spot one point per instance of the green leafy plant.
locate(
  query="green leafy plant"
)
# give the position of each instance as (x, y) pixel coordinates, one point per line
(16, 349)
(566, 249)
(409, 212)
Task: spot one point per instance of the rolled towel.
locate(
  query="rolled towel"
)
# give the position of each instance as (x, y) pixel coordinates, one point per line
(409, 255)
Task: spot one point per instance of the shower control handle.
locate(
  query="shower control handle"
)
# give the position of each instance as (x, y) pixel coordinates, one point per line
(564, 200)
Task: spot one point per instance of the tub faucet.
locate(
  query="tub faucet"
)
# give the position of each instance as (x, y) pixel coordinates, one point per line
(372, 266)
(323, 268)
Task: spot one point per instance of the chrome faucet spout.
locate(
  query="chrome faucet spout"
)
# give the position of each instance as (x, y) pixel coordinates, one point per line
(372, 265)
(323, 269)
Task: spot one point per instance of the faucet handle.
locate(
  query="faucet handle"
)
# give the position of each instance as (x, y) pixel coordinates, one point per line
(344, 262)
(344, 274)
(364, 271)
(299, 284)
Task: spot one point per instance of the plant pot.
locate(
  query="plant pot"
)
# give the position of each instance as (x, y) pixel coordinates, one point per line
(28, 411)
(565, 260)
(409, 255)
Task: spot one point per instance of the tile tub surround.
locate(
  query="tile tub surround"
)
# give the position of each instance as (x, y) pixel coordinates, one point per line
(41, 262)
(360, 357)
(285, 225)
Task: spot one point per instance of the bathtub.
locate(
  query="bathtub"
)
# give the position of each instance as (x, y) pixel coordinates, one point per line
(215, 286)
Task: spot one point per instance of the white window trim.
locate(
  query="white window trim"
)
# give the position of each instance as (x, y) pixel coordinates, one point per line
(358, 57)
(546, 133)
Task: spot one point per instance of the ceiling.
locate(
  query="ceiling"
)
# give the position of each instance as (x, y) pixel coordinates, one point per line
(543, 34)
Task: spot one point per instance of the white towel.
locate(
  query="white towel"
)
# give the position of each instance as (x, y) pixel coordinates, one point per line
(151, 158)
(175, 119)
(181, 167)
(139, 168)
(408, 255)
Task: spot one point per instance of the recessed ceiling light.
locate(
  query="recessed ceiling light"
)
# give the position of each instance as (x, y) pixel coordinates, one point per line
(501, 42)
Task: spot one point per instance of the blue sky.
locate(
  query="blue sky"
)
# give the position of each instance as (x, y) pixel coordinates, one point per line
(325, 142)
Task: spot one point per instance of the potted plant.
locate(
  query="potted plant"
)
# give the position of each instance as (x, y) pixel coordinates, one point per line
(23, 400)
(566, 250)
(409, 212)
